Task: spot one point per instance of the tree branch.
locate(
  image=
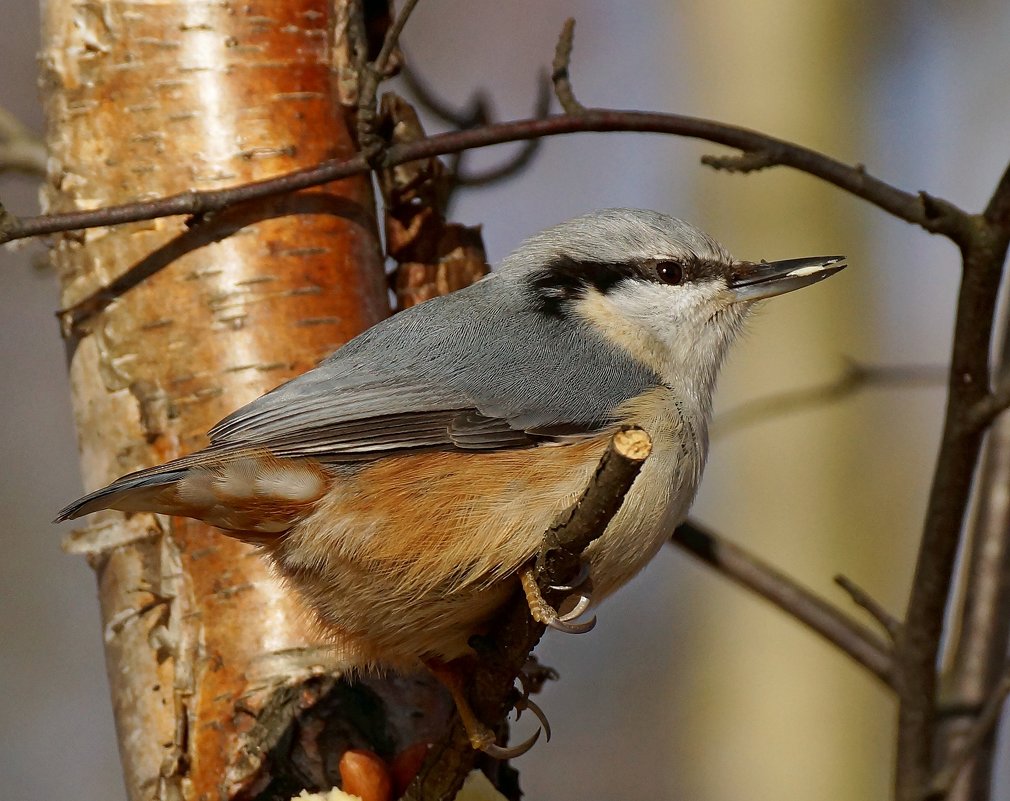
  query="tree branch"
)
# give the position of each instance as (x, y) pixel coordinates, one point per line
(522, 158)
(864, 600)
(503, 653)
(978, 656)
(943, 218)
(853, 639)
(559, 558)
(371, 76)
(997, 212)
(991, 406)
(980, 731)
(983, 254)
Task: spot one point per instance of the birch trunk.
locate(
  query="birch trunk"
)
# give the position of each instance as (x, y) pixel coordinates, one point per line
(209, 659)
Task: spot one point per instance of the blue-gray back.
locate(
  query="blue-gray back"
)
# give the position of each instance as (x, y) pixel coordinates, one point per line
(480, 368)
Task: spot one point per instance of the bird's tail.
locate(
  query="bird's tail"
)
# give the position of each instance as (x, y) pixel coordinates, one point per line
(241, 489)
(135, 492)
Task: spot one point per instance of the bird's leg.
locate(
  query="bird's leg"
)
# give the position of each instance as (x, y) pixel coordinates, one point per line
(481, 737)
(543, 612)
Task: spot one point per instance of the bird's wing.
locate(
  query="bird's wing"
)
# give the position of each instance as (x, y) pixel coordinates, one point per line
(478, 369)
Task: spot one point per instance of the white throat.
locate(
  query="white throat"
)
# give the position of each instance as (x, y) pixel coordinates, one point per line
(682, 337)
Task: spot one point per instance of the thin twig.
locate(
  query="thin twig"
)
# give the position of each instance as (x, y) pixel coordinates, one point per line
(991, 406)
(558, 560)
(393, 38)
(855, 378)
(901, 204)
(559, 69)
(8, 223)
(997, 212)
(503, 653)
(523, 157)
(475, 112)
(863, 599)
(852, 638)
(980, 730)
(20, 149)
(373, 74)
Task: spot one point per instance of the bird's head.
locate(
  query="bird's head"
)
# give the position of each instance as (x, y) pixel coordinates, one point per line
(654, 285)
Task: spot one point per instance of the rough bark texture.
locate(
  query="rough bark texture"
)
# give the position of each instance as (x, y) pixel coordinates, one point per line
(145, 99)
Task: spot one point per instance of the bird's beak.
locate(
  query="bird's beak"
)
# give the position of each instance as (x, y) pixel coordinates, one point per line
(756, 281)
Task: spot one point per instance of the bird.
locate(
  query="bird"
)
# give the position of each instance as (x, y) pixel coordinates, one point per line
(404, 484)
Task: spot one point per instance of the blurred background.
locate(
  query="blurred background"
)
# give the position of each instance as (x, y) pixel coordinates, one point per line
(688, 688)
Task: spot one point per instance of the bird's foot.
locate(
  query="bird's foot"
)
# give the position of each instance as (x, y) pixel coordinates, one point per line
(543, 612)
(480, 736)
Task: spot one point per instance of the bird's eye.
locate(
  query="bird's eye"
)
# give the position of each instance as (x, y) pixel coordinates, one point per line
(670, 272)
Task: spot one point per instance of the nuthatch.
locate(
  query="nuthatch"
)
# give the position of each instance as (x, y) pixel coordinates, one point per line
(404, 484)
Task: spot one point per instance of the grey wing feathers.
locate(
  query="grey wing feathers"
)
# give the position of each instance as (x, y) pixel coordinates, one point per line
(477, 369)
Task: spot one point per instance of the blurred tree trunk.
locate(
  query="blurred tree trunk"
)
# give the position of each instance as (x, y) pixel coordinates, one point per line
(784, 48)
(209, 660)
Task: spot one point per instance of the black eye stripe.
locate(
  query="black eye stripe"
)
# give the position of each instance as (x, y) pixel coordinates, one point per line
(564, 279)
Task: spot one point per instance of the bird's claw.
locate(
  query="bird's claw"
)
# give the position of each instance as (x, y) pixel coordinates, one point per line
(526, 703)
(564, 622)
(558, 624)
(496, 751)
(483, 739)
(576, 611)
(543, 612)
(479, 735)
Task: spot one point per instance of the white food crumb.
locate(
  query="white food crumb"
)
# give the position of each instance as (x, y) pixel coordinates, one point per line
(477, 787)
(333, 794)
